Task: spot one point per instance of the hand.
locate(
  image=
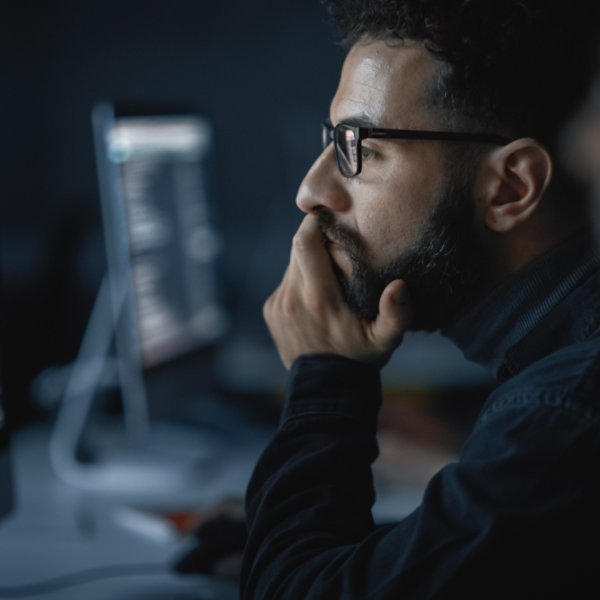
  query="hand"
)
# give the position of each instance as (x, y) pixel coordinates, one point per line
(307, 314)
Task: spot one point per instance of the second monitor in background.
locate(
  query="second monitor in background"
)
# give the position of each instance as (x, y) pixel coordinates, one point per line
(159, 227)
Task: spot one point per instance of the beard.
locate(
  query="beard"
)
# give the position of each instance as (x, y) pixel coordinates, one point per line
(444, 269)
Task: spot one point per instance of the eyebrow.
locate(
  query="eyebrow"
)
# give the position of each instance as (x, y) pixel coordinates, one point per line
(360, 120)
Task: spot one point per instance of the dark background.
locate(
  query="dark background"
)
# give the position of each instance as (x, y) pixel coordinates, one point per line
(262, 71)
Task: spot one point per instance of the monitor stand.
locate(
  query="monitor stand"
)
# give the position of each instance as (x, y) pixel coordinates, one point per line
(145, 458)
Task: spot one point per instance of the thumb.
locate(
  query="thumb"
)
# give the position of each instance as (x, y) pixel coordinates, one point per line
(395, 314)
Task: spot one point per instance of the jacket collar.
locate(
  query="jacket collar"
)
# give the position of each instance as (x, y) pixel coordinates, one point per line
(551, 302)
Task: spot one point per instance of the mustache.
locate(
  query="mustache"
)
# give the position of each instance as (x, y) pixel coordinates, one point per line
(341, 235)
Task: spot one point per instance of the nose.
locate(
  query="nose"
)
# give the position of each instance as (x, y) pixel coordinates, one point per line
(324, 187)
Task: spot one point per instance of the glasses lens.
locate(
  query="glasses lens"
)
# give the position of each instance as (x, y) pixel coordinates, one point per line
(346, 142)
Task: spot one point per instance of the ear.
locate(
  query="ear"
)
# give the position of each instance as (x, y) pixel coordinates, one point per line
(512, 181)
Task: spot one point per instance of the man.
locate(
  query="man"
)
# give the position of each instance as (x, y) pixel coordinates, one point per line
(437, 203)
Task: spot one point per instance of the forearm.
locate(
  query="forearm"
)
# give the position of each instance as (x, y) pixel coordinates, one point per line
(312, 490)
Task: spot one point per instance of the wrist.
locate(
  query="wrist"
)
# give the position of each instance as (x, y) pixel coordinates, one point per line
(332, 384)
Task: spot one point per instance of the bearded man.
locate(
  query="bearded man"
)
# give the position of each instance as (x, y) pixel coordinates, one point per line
(437, 203)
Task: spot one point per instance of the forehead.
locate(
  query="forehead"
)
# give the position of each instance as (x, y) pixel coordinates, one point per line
(387, 84)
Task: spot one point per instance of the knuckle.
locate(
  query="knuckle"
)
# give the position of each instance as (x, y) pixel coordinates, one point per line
(279, 305)
(266, 310)
(269, 306)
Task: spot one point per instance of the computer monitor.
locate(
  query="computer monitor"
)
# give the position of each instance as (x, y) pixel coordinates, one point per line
(162, 243)
(162, 285)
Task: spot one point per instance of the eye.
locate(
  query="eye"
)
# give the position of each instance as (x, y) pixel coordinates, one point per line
(366, 152)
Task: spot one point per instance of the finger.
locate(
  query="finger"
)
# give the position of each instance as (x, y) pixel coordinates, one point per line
(310, 257)
(395, 314)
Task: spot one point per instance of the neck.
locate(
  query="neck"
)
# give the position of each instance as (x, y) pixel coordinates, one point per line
(508, 314)
(515, 249)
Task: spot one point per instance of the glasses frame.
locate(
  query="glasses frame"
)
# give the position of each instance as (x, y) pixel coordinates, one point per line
(330, 134)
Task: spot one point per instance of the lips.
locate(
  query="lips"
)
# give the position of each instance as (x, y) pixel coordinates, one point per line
(327, 241)
(327, 238)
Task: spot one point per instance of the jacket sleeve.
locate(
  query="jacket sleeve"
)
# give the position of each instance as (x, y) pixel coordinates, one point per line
(493, 517)
(311, 492)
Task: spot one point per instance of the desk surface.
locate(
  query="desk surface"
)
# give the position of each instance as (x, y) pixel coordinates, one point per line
(57, 530)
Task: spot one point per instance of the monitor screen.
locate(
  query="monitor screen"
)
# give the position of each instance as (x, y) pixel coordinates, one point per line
(161, 236)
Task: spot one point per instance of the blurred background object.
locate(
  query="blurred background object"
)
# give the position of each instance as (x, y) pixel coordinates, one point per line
(581, 148)
(262, 73)
(6, 483)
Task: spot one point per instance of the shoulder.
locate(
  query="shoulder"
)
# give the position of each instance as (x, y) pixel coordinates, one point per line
(567, 379)
(538, 435)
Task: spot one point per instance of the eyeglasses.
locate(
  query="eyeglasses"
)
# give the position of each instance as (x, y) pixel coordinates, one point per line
(347, 141)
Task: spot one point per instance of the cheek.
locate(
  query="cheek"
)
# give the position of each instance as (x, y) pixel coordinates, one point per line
(388, 233)
(395, 221)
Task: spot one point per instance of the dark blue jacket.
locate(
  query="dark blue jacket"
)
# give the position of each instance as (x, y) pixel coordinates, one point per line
(517, 516)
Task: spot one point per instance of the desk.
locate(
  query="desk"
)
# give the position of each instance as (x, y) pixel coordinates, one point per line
(57, 530)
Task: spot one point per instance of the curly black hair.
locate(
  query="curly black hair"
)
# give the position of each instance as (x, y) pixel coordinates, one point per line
(514, 67)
